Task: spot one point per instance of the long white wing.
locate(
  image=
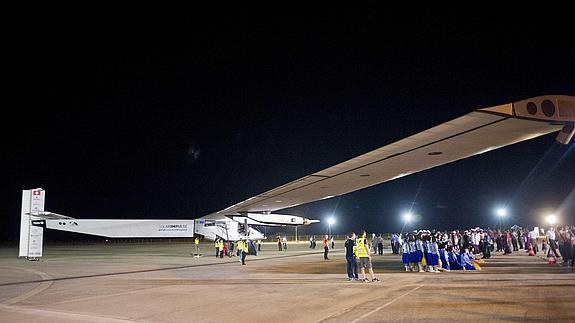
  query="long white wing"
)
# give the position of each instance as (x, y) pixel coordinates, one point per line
(475, 133)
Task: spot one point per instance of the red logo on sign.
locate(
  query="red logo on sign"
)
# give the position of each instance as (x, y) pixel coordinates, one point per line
(36, 192)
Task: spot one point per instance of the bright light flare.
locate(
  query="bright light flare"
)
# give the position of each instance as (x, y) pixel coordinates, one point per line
(551, 218)
(331, 221)
(501, 212)
(407, 217)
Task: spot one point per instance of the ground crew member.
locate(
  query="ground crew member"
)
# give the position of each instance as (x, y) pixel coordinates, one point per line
(221, 248)
(325, 248)
(364, 258)
(350, 257)
(197, 245)
(240, 248)
(243, 249)
(217, 245)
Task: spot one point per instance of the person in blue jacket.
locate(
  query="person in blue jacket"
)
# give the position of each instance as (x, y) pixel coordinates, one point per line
(465, 261)
(453, 259)
(443, 255)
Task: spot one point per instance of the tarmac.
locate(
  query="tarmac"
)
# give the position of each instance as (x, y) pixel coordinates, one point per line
(163, 282)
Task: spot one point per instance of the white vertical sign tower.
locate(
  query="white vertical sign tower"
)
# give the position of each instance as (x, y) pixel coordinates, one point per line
(31, 237)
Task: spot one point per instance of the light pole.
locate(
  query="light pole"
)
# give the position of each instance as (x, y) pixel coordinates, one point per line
(296, 240)
(501, 213)
(330, 222)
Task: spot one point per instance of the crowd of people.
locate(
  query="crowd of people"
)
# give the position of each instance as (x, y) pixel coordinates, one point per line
(560, 239)
(240, 248)
(431, 251)
(434, 252)
(437, 251)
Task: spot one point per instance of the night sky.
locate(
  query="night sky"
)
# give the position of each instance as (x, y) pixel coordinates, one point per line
(183, 121)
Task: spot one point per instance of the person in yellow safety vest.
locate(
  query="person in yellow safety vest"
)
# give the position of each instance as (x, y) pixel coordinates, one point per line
(240, 249)
(197, 245)
(243, 249)
(217, 245)
(364, 258)
(221, 248)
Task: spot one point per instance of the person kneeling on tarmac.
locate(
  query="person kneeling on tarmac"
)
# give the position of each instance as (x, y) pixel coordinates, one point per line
(364, 258)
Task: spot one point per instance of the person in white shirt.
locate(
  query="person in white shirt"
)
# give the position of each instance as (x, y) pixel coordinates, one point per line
(533, 235)
(552, 243)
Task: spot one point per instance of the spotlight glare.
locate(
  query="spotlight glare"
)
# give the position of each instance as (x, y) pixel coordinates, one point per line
(407, 217)
(501, 212)
(551, 219)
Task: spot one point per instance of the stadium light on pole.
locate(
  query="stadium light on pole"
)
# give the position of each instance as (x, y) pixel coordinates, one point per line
(330, 222)
(407, 217)
(501, 213)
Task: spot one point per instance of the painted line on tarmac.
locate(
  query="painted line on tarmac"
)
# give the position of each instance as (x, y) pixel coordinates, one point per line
(155, 269)
(44, 285)
(386, 304)
(76, 317)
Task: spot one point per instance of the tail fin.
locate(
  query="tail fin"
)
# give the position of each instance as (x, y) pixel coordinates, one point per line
(31, 236)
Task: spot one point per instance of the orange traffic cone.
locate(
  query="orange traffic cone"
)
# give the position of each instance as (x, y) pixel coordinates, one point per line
(552, 260)
(531, 253)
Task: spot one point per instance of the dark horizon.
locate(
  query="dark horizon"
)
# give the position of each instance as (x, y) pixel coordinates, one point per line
(111, 132)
